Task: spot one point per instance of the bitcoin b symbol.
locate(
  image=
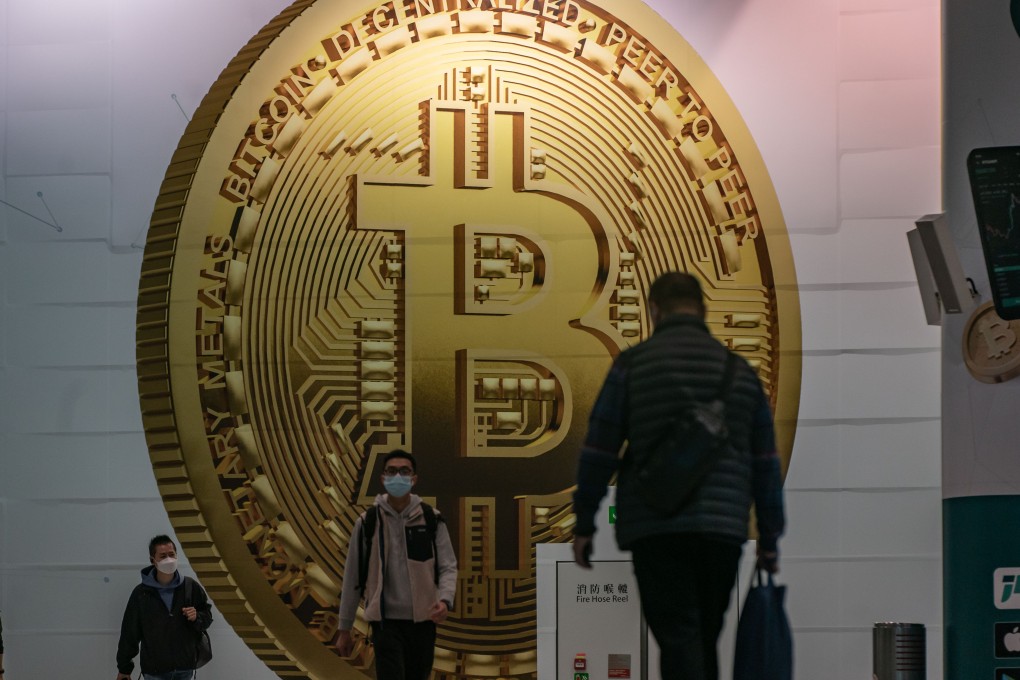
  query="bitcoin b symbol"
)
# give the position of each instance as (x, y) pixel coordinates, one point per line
(497, 347)
(998, 336)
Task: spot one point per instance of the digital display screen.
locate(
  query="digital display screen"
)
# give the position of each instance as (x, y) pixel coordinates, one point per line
(995, 183)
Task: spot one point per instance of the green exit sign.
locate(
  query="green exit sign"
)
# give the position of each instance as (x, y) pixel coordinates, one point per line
(612, 514)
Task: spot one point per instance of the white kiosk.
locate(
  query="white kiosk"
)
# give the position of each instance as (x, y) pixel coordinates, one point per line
(589, 621)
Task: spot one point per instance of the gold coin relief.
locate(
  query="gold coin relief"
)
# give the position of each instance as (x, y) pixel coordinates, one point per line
(991, 350)
(431, 225)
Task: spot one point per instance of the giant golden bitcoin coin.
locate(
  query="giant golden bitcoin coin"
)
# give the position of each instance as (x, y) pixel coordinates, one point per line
(430, 225)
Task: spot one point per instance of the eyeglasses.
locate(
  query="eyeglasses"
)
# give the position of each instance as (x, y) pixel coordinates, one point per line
(402, 471)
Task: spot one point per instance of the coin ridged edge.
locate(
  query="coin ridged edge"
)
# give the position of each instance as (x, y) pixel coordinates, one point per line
(152, 347)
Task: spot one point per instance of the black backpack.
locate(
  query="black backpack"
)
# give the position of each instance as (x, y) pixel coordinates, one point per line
(432, 521)
(204, 645)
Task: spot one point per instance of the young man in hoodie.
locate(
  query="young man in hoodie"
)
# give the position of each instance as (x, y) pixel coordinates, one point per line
(158, 617)
(410, 579)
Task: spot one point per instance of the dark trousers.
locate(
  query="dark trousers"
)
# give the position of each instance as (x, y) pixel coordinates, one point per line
(404, 650)
(685, 581)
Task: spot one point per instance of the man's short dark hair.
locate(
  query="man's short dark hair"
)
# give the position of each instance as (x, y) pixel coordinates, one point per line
(675, 290)
(400, 453)
(156, 541)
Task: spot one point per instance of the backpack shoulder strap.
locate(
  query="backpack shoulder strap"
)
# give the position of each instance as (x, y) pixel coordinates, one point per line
(368, 523)
(432, 520)
(188, 589)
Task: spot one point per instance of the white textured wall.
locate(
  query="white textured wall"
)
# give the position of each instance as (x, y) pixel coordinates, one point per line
(843, 99)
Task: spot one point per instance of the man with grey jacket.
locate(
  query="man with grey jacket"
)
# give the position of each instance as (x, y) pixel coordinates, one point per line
(407, 580)
(685, 562)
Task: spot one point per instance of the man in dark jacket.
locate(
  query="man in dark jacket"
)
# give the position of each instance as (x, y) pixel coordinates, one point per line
(685, 563)
(158, 617)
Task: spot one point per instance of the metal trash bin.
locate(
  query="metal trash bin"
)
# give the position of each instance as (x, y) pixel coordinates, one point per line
(899, 651)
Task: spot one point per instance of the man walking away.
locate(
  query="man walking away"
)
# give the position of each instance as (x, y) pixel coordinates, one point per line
(685, 563)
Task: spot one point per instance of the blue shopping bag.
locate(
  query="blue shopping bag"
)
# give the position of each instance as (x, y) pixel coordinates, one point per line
(764, 649)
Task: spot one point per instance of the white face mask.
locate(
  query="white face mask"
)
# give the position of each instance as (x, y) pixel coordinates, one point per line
(397, 486)
(167, 566)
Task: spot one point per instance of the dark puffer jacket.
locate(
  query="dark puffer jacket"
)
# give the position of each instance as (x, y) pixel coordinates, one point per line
(680, 361)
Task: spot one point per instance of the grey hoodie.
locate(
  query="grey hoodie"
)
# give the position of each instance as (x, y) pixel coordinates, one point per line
(166, 592)
(407, 590)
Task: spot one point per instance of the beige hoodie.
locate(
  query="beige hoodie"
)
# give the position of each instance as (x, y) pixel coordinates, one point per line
(408, 590)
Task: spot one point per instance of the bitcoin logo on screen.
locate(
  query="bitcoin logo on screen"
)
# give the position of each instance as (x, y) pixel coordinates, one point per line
(431, 225)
